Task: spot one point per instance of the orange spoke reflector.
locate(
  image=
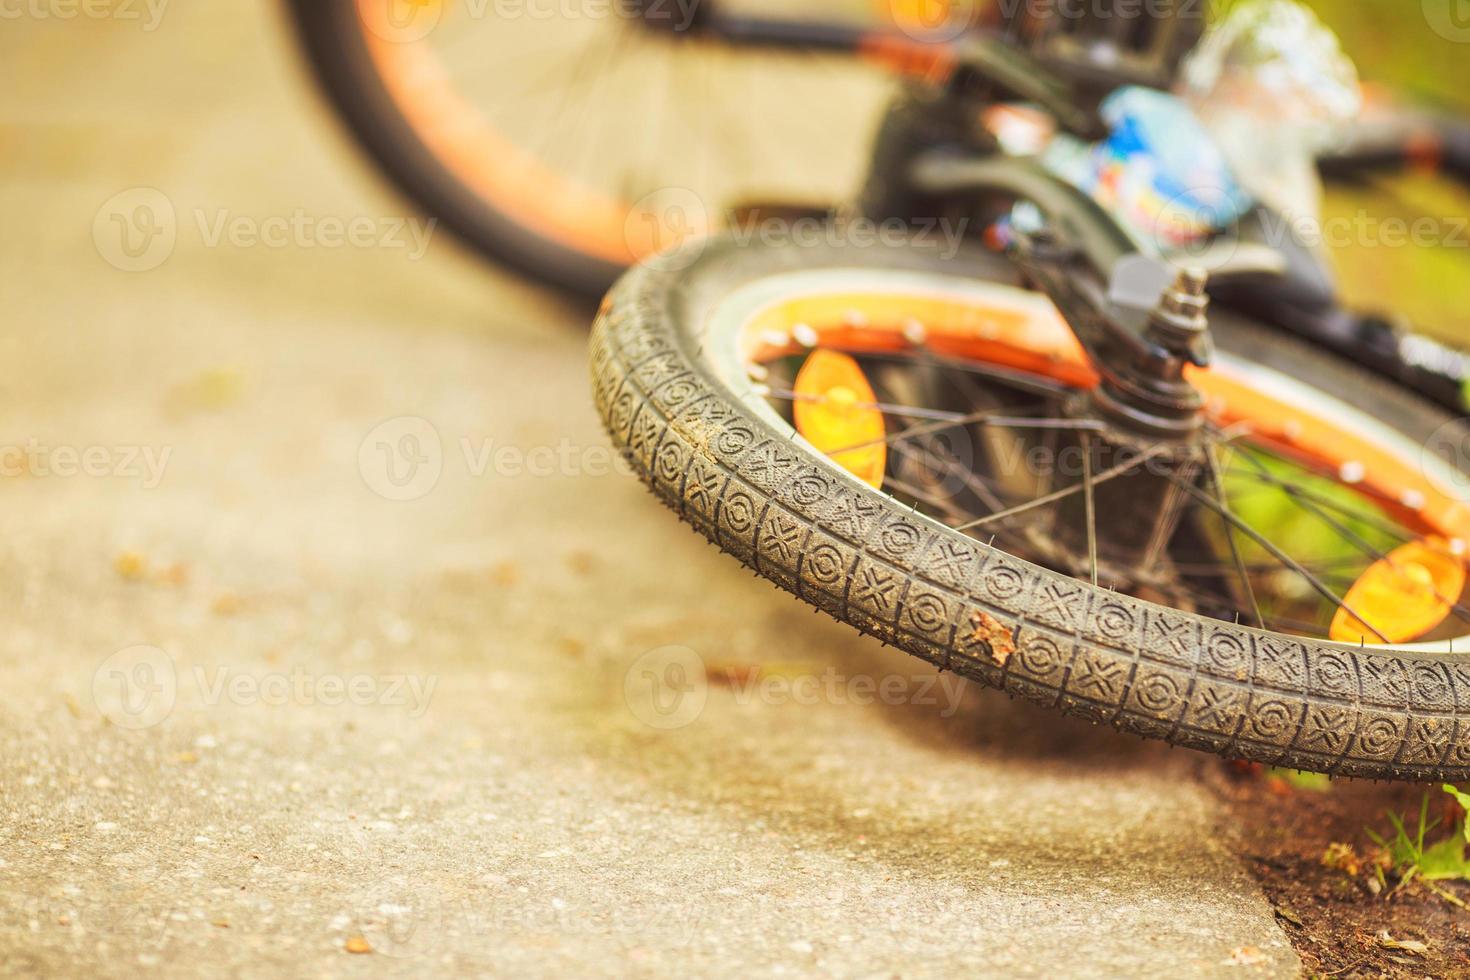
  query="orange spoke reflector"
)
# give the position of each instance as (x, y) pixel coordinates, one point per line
(1404, 596)
(834, 410)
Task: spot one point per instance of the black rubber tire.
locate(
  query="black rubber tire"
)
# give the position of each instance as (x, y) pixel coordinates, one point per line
(332, 38)
(953, 601)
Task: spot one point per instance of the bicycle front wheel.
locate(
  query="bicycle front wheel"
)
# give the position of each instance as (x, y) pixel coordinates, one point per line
(894, 438)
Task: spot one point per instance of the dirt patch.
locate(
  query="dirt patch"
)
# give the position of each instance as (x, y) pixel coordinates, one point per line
(1311, 851)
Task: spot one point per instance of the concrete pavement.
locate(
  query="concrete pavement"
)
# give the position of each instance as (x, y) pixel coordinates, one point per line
(329, 622)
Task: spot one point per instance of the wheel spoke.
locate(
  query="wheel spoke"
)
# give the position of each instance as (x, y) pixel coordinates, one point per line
(1090, 506)
(938, 503)
(1164, 528)
(1217, 482)
(1264, 475)
(1224, 605)
(973, 480)
(901, 411)
(1351, 536)
(1015, 379)
(1076, 488)
(1316, 583)
(975, 418)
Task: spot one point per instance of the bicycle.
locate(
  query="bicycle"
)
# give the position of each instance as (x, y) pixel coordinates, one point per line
(1200, 505)
(404, 76)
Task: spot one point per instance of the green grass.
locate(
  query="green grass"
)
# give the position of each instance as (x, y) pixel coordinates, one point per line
(1411, 858)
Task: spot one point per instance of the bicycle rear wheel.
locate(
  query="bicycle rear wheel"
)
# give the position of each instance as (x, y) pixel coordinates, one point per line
(567, 140)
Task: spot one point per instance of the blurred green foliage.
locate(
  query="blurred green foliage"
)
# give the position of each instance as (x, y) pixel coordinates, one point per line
(1395, 44)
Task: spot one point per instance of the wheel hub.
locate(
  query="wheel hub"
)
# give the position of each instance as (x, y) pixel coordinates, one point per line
(1153, 441)
(1147, 392)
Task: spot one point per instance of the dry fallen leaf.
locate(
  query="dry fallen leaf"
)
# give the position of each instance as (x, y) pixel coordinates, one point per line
(994, 634)
(1407, 945)
(176, 574)
(227, 604)
(131, 566)
(1342, 857)
(1285, 912)
(1246, 956)
(211, 390)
